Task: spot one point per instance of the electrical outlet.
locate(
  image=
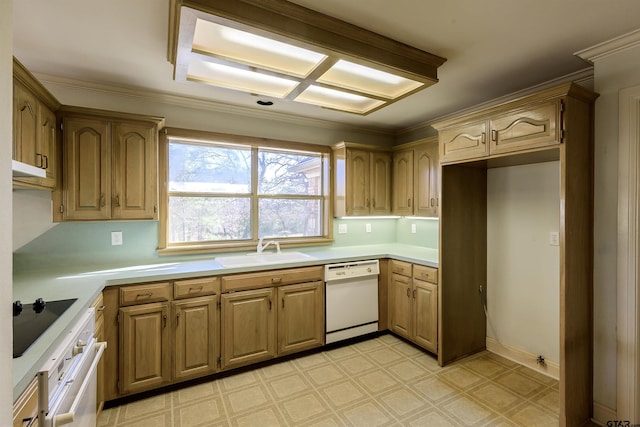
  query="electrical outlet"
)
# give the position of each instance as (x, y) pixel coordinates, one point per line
(116, 238)
(367, 228)
(342, 228)
(413, 228)
(554, 238)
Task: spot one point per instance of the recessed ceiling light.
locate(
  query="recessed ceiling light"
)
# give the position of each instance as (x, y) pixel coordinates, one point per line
(287, 51)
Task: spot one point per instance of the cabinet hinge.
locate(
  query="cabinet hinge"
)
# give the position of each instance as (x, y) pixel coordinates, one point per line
(219, 361)
(61, 208)
(155, 209)
(61, 126)
(561, 106)
(561, 133)
(219, 304)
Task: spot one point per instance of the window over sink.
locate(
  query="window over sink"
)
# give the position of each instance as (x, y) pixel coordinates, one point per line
(225, 192)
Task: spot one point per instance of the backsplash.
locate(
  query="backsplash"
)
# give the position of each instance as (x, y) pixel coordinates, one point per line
(89, 243)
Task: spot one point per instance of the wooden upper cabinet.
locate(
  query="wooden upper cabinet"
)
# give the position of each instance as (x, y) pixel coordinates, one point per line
(87, 165)
(416, 174)
(110, 166)
(531, 124)
(362, 180)
(403, 182)
(134, 191)
(34, 128)
(530, 127)
(380, 183)
(465, 141)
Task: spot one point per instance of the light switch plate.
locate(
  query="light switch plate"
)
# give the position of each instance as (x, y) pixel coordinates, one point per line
(116, 238)
(342, 228)
(554, 238)
(413, 228)
(367, 227)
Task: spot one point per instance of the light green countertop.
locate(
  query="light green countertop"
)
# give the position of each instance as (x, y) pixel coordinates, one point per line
(85, 283)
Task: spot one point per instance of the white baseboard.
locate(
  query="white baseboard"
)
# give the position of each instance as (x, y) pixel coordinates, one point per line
(551, 369)
(602, 414)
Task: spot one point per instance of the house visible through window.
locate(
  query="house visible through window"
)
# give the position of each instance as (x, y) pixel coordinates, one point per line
(222, 193)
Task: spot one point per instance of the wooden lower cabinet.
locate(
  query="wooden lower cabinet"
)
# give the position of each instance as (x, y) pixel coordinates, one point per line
(413, 304)
(248, 327)
(25, 408)
(194, 347)
(145, 352)
(99, 333)
(300, 317)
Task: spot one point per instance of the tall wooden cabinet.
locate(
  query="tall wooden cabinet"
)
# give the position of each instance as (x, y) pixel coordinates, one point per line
(110, 166)
(362, 180)
(35, 139)
(555, 124)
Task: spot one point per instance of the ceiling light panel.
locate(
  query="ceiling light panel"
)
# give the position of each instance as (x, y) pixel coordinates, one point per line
(338, 100)
(241, 46)
(239, 79)
(365, 79)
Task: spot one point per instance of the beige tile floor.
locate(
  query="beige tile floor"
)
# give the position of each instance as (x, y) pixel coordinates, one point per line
(380, 382)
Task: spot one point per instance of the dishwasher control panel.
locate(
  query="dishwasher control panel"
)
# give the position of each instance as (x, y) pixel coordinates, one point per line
(347, 270)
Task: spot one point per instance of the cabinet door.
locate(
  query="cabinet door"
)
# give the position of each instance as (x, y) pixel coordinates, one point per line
(401, 302)
(25, 125)
(380, 183)
(403, 182)
(25, 408)
(300, 317)
(195, 322)
(467, 141)
(100, 337)
(86, 169)
(425, 180)
(135, 188)
(145, 356)
(248, 327)
(358, 185)
(532, 127)
(47, 147)
(425, 300)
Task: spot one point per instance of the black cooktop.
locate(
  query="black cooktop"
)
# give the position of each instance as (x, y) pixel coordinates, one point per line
(31, 320)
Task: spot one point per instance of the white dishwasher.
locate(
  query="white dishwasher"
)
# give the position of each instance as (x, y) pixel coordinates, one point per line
(351, 299)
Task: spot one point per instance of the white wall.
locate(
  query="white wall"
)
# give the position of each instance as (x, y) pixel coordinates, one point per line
(6, 123)
(32, 213)
(523, 269)
(612, 73)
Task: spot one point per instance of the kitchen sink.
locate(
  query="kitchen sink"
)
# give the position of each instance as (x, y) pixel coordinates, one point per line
(252, 259)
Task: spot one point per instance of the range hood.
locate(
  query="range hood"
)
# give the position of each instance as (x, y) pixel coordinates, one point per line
(23, 170)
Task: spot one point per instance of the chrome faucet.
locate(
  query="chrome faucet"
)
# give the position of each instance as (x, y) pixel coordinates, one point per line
(262, 247)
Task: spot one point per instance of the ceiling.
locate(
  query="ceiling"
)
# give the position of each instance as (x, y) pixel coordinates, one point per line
(492, 47)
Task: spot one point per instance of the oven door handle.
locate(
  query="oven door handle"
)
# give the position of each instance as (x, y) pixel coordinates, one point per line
(68, 417)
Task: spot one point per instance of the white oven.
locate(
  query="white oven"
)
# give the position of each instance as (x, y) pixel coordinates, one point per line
(67, 381)
(351, 299)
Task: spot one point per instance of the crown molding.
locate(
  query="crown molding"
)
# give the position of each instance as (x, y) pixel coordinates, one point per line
(202, 104)
(610, 47)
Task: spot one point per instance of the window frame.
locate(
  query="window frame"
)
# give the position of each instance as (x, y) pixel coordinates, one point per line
(253, 143)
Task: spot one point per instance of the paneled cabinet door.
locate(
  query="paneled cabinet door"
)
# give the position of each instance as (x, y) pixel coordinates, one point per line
(248, 327)
(358, 186)
(532, 127)
(425, 304)
(467, 141)
(195, 337)
(425, 171)
(403, 182)
(300, 317)
(134, 169)
(401, 306)
(145, 351)
(380, 183)
(86, 169)
(47, 155)
(25, 125)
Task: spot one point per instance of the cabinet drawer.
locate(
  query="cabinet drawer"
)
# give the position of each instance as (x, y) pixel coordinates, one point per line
(142, 294)
(401, 267)
(266, 279)
(98, 304)
(428, 274)
(196, 287)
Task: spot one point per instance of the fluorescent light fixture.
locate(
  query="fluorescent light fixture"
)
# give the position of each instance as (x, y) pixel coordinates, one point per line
(281, 49)
(239, 79)
(429, 218)
(337, 100)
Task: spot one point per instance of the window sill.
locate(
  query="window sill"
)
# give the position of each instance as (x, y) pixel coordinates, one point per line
(193, 249)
